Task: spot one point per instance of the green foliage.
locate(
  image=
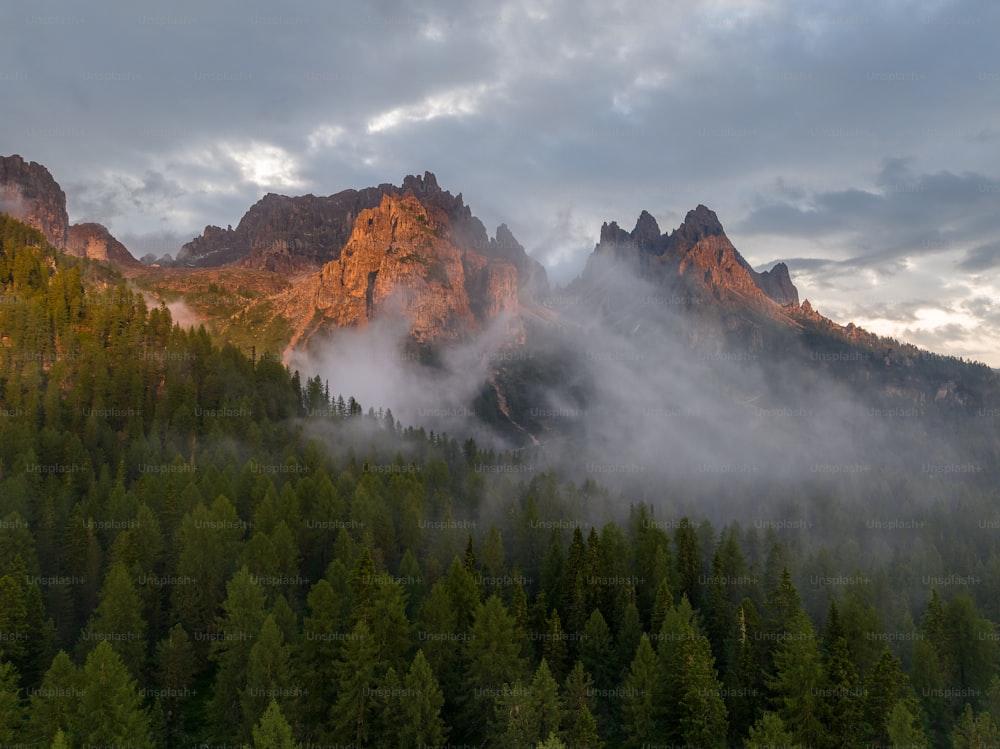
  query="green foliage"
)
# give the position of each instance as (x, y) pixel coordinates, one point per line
(222, 509)
(109, 710)
(273, 731)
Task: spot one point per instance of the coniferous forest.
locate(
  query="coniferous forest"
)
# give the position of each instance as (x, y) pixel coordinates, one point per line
(199, 547)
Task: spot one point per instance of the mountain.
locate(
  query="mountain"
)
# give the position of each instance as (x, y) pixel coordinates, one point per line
(290, 235)
(697, 258)
(412, 251)
(96, 242)
(29, 193)
(407, 260)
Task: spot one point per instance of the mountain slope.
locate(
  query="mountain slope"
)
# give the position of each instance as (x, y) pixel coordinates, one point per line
(29, 193)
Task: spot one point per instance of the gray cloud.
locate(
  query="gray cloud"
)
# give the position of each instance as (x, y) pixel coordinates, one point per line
(858, 136)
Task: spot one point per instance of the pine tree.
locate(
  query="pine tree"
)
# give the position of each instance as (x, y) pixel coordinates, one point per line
(745, 679)
(177, 666)
(513, 721)
(885, 686)
(554, 646)
(422, 724)
(437, 634)
(273, 731)
(628, 636)
(796, 680)
(268, 676)
(903, 726)
(53, 706)
(842, 705)
(597, 653)
(579, 726)
(243, 615)
(357, 674)
(640, 697)
(11, 713)
(974, 732)
(546, 702)
(388, 623)
(552, 742)
(315, 657)
(493, 658)
(464, 594)
(663, 604)
(769, 731)
(109, 711)
(118, 620)
(208, 540)
(703, 720)
(672, 648)
(387, 707)
(688, 558)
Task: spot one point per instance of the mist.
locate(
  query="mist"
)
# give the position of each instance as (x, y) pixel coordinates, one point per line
(650, 391)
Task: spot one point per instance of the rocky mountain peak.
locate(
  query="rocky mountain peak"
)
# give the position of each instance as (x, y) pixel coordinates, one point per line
(696, 258)
(426, 185)
(699, 224)
(96, 242)
(402, 261)
(646, 233)
(777, 284)
(28, 192)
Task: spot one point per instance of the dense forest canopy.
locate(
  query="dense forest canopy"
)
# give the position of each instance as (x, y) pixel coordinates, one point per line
(198, 546)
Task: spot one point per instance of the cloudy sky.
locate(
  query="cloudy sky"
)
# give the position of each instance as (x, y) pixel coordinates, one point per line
(857, 141)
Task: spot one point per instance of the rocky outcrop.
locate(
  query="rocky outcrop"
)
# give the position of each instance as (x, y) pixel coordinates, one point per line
(97, 243)
(777, 284)
(29, 193)
(696, 258)
(402, 261)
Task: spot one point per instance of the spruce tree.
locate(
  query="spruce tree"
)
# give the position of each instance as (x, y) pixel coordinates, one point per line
(273, 731)
(268, 676)
(177, 666)
(109, 710)
(422, 724)
(53, 706)
(493, 658)
(579, 726)
(118, 620)
(554, 647)
(243, 615)
(11, 712)
(357, 674)
(640, 698)
(796, 680)
(841, 703)
(703, 719)
(769, 731)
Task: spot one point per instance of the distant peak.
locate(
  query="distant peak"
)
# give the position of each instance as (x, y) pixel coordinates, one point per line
(421, 185)
(646, 231)
(700, 223)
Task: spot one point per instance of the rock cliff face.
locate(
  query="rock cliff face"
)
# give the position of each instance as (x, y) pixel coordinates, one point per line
(405, 259)
(97, 243)
(29, 193)
(284, 234)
